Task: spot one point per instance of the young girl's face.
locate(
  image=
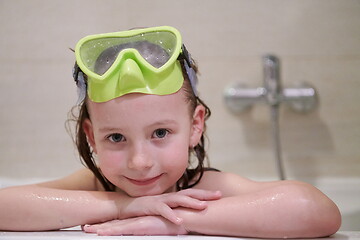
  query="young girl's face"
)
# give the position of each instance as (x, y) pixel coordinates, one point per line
(142, 141)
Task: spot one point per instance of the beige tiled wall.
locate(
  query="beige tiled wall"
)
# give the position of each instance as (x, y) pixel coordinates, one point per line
(318, 41)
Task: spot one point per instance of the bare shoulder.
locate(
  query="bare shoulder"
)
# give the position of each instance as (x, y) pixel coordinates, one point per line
(82, 179)
(231, 184)
(228, 183)
(216, 178)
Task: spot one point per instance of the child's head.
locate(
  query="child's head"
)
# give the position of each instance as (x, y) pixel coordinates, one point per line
(142, 121)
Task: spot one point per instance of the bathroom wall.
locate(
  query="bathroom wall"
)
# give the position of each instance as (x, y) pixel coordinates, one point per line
(317, 41)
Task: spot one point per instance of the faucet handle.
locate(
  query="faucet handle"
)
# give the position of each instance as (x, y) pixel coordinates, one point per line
(301, 98)
(272, 80)
(238, 97)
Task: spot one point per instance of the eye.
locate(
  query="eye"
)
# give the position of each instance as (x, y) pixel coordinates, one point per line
(116, 137)
(160, 133)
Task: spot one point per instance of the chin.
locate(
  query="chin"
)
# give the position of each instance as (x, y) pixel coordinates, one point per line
(141, 192)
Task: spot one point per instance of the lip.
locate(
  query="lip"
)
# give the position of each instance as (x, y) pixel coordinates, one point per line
(144, 182)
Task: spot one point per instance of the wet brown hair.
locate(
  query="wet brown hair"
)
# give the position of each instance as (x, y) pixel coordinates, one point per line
(191, 176)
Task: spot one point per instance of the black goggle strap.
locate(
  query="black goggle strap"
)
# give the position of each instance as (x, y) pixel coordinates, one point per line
(186, 57)
(81, 83)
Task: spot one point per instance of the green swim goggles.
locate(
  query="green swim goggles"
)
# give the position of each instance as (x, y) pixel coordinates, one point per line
(135, 61)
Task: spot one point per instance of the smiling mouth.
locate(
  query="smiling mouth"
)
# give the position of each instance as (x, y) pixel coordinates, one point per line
(143, 182)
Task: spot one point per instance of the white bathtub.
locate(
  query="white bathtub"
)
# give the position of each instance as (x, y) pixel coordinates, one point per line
(76, 235)
(345, 192)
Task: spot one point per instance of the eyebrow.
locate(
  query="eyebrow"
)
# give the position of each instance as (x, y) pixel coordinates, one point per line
(158, 123)
(164, 122)
(109, 129)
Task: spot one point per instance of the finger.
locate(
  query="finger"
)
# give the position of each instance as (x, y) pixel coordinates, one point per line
(174, 201)
(146, 225)
(89, 228)
(114, 229)
(121, 227)
(166, 212)
(201, 194)
(95, 227)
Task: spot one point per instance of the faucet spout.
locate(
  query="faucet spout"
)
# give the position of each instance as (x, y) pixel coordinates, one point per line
(272, 81)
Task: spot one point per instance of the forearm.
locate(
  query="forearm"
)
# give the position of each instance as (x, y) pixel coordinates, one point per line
(268, 214)
(223, 217)
(37, 208)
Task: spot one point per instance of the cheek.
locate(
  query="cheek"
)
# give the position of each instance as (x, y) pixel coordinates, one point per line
(110, 161)
(176, 158)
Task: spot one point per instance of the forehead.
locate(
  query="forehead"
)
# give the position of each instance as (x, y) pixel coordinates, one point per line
(138, 105)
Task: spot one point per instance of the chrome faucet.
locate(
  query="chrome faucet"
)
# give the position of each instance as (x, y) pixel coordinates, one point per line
(301, 98)
(272, 81)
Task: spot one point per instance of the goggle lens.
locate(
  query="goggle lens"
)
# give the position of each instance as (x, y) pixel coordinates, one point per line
(156, 48)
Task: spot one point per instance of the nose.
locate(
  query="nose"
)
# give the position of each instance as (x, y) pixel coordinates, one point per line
(140, 158)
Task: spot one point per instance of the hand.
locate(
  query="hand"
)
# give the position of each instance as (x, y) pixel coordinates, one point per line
(146, 225)
(162, 205)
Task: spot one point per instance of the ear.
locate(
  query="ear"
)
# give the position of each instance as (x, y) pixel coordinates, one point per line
(197, 127)
(88, 129)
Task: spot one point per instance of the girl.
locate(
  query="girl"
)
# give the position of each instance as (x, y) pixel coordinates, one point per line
(140, 132)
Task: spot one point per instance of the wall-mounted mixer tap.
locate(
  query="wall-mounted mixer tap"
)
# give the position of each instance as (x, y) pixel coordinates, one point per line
(301, 98)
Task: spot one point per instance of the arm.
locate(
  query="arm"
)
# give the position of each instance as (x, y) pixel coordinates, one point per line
(269, 210)
(56, 204)
(76, 200)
